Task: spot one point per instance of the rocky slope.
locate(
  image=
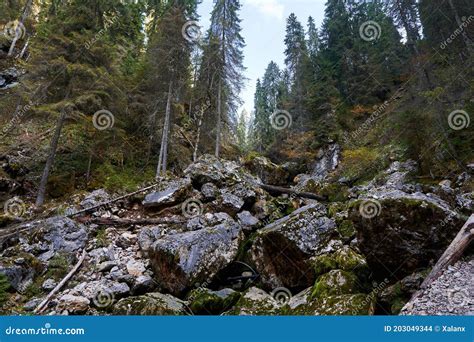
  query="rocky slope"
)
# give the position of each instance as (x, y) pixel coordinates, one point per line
(224, 245)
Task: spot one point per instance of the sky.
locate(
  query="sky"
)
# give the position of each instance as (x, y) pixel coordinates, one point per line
(263, 28)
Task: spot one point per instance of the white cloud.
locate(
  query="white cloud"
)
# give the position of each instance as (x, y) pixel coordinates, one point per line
(268, 7)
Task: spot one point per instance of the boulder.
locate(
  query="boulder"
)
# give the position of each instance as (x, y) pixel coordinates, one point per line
(95, 198)
(228, 203)
(55, 235)
(346, 259)
(255, 302)
(267, 171)
(209, 169)
(335, 282)
(151, 304)
(73, 304)
(327, 161)
(282, 250)
(183, 259)
(171, 192)
(400, 233)
(346, 304)
(207, 302)
(209, 191)
(247, 220)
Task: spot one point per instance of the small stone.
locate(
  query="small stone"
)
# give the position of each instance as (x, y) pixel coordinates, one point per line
(135, 268)
(49, 284)
(106, 266)
(73, 304)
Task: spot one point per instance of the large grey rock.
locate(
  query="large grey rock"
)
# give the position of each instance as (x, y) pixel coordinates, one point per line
(228, 203)
(19, 276)
(151, 304)
(282, 250)
(96, 197)
(209, 169)
(255, 302)
(171, 193)
(400, 232)
(327, 161)
(73, 304)
(267, 171)
(247, 220)
(183, 259)
(55, 235)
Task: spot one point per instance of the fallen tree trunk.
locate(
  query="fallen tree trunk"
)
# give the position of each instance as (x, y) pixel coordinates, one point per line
(120, 222)
(282, 190)
(97, 207)
(58, 287)
(452, 254)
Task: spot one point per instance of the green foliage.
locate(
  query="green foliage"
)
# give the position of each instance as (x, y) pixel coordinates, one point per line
(101, 237)
(4, 286)
(58, 267)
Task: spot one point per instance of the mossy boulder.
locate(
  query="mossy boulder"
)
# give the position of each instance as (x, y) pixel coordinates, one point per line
(267, 171)
(335, 282)
(255, 302)
(151, 304)
(345, 304)
(207, 302)
(345, 259)
(282, 250)
(400, 233)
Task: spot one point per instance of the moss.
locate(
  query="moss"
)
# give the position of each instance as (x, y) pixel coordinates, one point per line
(362, 163)
(206, 302)
(345, 259)
(346, 228)
(58, 267)
(4, 286)
(101, 237)
(324, 263)
(335, 192)
(335, 282)
(33, 290)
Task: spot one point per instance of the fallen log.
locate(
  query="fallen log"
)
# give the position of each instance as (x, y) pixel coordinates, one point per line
(453, 253)
(58, 287)
(105, 204)
(103, 221)
(450, 256)
(282, 190)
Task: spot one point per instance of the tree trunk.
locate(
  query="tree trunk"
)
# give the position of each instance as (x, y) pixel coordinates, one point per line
(465, 37)
(25, 14)
(50, 160)
(198, 136)
(219, 118)
(163, 158)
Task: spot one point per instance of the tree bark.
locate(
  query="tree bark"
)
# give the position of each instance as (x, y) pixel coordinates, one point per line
(198, 136)
(49, 162)
(219, 118)
(452, 254)
(281, 190)
(465, 37)
(25, 14)
(163, 158)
